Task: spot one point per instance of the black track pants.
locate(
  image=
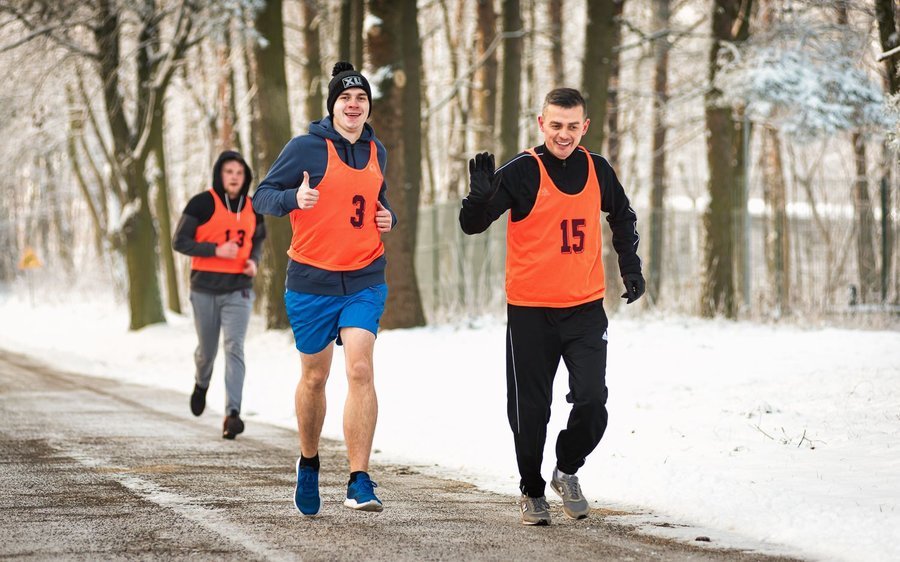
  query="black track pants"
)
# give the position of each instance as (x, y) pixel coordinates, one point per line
(536, 340)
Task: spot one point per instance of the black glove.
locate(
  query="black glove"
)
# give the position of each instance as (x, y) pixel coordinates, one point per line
(481, 178)
(634, 287)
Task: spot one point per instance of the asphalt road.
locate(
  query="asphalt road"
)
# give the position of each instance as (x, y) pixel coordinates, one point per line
(97, 469)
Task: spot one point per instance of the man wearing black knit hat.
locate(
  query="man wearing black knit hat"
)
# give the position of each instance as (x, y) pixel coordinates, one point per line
(331, 183)
(344, 80)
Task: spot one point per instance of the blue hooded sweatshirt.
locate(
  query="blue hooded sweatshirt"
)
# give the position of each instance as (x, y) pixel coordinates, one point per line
(277, 196)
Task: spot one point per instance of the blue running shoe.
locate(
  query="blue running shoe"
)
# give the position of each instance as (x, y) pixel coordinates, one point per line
(306, 494)
(361, 495)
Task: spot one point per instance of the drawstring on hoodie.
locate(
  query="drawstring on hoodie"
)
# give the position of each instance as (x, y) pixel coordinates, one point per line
(239, 207)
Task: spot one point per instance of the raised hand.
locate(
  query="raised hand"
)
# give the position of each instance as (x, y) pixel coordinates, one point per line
(481, 178)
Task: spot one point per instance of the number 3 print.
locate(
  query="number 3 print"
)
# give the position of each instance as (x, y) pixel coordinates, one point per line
(357, 219)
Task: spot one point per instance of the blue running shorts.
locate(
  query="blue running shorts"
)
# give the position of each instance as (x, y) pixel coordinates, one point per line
(317, 319)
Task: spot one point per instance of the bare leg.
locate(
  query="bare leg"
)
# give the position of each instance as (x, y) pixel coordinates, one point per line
(361, 407)
(309, 398)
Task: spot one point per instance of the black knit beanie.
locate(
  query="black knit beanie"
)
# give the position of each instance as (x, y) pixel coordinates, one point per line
(344, 78)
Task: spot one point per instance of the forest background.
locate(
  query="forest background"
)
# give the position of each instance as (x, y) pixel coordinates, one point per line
(757, 139)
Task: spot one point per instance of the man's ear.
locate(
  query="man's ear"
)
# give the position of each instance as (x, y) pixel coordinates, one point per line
(587, 123)
(541, 122)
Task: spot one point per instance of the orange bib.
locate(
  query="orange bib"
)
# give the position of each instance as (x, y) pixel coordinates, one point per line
(339, 233)
(554, 255)
(222, 227)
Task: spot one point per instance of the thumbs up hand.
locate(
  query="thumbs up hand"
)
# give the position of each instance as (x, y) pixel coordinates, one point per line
(383, 219)
(306, 197)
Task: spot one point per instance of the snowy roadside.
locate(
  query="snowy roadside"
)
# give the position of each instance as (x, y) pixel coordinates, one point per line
(752, 433)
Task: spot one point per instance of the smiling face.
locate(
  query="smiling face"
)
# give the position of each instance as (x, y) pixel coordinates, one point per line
(351, 109)
(233, 178)
(563, 128)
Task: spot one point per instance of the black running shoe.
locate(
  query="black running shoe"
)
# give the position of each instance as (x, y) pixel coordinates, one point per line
(198, 400)
(233, 425)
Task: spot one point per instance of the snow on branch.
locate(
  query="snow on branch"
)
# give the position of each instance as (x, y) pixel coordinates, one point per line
(806, 87)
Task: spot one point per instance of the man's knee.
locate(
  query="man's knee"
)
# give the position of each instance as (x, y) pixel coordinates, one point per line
(234, 347)
(314, 378)
(360, 372)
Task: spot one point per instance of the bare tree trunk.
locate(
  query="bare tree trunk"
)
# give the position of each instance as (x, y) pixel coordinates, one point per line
(862, 205)
(886, 14)
(456, 141)
(357, 15)
(147, 68)
(312, 65)
(164, 213)
(724, 149)
(865, 224)
(233, 99)
(351, 41)
(273, 131)
(531, 75)
(610, 258)
(7, 240)
(512, 81)
(65, 247)
(600, 31)
(76, 128)
(252, 108)
(345, 43)
(658, 173)
(887, 234)
(140, 252)
(394, 43)
(227, 129)
(612, 100)
(554, 13)
(485, 98)
(140, 241)
(777, 236)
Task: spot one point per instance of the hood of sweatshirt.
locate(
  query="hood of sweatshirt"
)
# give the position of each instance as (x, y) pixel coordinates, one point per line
(218, 186)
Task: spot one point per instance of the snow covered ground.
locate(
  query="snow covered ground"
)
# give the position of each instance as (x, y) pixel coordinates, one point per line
(778, 437)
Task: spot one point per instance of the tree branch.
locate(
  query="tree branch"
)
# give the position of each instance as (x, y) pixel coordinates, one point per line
(46, 30)
(98, 133)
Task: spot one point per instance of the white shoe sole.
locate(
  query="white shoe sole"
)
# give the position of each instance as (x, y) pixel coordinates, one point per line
(370, 505)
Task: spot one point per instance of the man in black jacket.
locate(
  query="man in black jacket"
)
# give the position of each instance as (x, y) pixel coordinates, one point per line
(555, 285)
(223, 236)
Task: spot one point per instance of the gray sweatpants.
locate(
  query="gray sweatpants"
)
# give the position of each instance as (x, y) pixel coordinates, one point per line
(229, 313)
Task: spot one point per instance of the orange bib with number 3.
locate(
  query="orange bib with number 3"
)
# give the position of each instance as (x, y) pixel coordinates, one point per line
(225, 226)
(554, 255)
(339, 232)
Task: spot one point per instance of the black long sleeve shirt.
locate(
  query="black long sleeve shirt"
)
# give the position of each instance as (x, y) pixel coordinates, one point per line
(517, 183)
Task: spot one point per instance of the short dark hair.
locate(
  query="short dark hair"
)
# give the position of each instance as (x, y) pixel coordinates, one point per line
(565, 97)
